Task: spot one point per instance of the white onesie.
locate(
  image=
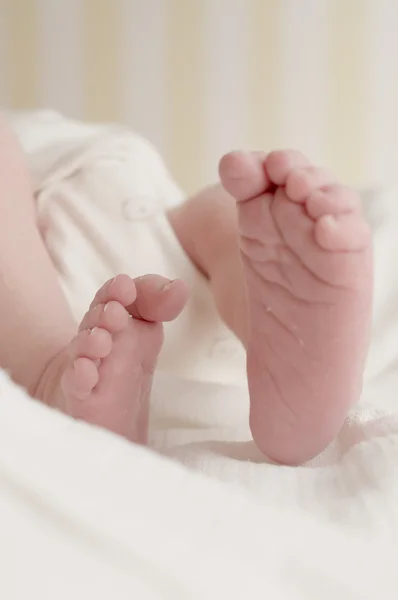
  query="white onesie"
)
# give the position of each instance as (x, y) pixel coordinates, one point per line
(102, 193)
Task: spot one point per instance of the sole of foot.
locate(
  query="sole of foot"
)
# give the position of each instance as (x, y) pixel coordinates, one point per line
(307, 256)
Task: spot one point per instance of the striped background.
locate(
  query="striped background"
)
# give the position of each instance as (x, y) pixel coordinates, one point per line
(198, 77)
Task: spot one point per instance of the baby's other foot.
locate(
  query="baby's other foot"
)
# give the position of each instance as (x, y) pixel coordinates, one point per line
(307, 256)
(105, 375)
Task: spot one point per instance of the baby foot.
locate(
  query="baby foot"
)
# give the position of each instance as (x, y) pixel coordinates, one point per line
(306, 251)
(104, 377)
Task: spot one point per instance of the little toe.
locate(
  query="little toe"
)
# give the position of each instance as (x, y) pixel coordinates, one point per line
(243, 174)
(80, 378)
(310, 245)
(301, 182)
(93, 343)
(121, 289)
(158, 298)
(342, 233)
(111, 316)
(331, 200)
(280, 163)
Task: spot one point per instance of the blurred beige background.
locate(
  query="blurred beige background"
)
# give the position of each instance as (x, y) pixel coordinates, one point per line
(198, 77)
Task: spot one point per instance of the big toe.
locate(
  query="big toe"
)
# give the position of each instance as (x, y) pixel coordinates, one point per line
(243, 174)
(158, 299)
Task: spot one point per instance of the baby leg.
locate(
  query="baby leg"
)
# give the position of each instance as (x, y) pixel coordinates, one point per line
(290, 265)
(35, 319)
(100, 372)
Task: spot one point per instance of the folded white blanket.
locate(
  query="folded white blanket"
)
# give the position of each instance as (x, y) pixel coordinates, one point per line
(85, 513)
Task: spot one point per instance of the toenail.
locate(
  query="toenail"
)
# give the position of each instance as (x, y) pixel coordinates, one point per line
(106, 306)
(329, 220)
(168, 285)
(93, 330)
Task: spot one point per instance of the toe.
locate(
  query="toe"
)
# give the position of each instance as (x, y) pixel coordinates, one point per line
(93, 343)
(332, 200)
(281, 162)
(158, 298)
(342, 233)
(80, 378)
(312, 244)
(243, 174)
(121, 288)
(111, 316)
(300, 183)
(295, 225)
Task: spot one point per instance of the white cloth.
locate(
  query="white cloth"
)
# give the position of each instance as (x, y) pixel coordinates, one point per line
(84, 514)
(105, 518)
